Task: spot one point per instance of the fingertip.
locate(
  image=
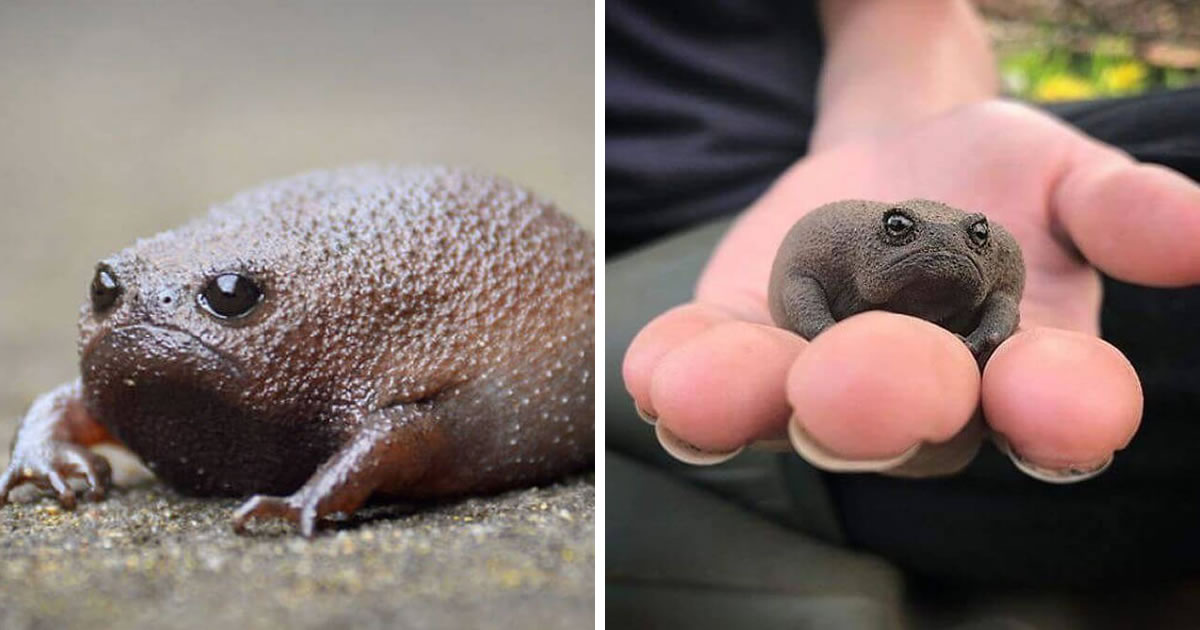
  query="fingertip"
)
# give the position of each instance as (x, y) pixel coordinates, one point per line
(821, 457)
(1062, 398)
(876, 384)
(724, 387)
(662, 335)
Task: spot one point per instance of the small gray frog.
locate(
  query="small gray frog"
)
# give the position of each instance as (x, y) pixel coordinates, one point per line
(918, 257)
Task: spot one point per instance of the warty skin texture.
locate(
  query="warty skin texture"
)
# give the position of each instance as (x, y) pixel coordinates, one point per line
(422, 333)
(841, 259)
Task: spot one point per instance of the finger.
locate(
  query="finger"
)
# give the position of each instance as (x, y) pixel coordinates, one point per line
(1137, 222)
(66, 496)
(877, 384)
(662, 335)
(724, 388)
(1061, 399)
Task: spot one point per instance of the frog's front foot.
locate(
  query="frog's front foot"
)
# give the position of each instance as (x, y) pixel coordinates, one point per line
(981, 346)
(974, 346)
(395, 452)
(51, 464)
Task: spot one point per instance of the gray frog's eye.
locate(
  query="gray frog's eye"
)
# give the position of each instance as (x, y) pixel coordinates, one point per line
(979, 232)
(230, 296)
(897, 224)
(105, 289)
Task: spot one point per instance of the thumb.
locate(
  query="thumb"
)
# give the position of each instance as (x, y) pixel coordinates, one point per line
(1136, 222)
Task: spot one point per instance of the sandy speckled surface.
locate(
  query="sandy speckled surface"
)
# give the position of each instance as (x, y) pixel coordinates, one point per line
(148, 558)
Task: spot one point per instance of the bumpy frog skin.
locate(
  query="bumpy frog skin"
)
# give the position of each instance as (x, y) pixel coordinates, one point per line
(398, 333)
(918, 257)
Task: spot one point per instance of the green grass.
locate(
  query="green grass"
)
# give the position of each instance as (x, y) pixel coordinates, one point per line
(1110, 67)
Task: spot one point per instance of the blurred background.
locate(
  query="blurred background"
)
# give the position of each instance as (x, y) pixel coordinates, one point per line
(122, 119)
(1062, 50)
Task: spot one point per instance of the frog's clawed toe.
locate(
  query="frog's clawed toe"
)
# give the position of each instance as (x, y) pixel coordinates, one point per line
(8, 481)
(285, 508)
(92, 467)
(54, 468)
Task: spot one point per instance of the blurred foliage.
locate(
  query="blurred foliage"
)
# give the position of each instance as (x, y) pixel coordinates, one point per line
(1107, 66)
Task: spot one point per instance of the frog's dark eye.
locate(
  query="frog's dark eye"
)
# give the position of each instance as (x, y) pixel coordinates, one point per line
(897, 224)
(979, 231)
(230, 296)
(105, 289)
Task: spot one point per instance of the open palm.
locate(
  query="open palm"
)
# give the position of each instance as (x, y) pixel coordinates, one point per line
(718, 375)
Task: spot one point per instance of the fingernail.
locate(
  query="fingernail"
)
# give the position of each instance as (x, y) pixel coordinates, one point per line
(1069, 474)
(689, 453)
(819, 456)
(650, 418)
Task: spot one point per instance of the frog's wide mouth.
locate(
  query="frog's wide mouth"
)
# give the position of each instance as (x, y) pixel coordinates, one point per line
(157, 344)
(189, 412)
(160, 358)
(931, 259)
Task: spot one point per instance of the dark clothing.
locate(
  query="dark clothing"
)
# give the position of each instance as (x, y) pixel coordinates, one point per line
(708, 103)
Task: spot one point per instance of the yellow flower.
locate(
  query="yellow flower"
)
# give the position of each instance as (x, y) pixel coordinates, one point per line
(1063, 87)
(1123, 77)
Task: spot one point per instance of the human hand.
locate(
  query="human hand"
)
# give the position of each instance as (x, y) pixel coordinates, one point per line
(718, 374)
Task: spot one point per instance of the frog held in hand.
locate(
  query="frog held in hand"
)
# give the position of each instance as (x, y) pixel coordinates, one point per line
(921, 258)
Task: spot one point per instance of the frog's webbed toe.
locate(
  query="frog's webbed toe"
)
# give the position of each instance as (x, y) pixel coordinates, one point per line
(335, 489)
(52, 465)
(304, 508)
(292, 509)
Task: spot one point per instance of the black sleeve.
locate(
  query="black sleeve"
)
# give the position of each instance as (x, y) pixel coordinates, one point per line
(706, 103)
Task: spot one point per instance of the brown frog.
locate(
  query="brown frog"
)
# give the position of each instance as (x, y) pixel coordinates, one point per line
(388, 332)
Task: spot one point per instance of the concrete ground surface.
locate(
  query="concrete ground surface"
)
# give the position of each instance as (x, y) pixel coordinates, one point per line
(148, 558)
(123, 119)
